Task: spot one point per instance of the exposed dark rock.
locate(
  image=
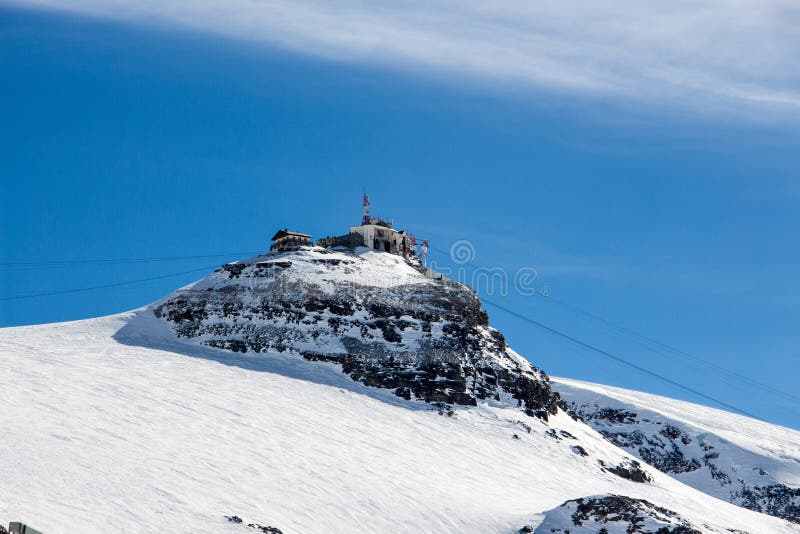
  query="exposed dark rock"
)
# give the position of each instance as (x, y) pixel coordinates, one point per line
(265, 529)
(577, 449)
(611, 415)
(234, 269)
(676, 450)
(600, 512)
(274, 264)
(628, 469)
(566, 434)
(255, 526)
(444, 409)
(626, 509)
(775, 499)
(550, 432)
(233, 345)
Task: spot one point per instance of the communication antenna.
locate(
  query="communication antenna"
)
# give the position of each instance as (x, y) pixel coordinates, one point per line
(365, 219)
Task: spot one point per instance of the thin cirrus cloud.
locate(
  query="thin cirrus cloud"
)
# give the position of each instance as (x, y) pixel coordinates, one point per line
(719, 56)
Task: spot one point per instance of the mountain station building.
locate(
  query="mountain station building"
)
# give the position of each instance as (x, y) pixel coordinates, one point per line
(286, 239)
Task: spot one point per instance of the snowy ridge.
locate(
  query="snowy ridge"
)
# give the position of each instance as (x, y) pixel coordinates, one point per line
(735, 458)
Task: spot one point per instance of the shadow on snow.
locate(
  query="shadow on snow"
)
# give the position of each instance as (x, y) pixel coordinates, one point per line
(144, 329)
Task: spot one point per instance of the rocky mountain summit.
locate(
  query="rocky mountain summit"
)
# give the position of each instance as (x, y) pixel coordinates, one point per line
(383, 318)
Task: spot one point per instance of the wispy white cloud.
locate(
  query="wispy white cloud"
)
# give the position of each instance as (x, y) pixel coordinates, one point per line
(716, 55)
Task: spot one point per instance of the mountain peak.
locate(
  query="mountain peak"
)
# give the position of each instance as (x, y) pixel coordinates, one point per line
(387, 320)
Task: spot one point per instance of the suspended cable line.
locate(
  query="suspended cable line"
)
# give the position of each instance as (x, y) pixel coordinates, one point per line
(654, 345)
(659, 344)
(116, 261)
(103, 286)
(620, 359)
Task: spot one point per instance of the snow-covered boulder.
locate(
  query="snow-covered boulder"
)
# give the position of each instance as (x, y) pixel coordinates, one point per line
(612, 514)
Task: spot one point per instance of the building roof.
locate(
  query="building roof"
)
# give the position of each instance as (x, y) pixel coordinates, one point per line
(389, 228)
(286, 232)
(377, 221)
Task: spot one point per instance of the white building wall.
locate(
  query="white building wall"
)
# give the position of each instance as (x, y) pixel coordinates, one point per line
(370, 231)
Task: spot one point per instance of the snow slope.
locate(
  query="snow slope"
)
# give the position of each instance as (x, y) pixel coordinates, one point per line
(735, 458)
(113, 425)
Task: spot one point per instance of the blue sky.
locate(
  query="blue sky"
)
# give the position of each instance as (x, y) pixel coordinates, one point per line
(673, 213)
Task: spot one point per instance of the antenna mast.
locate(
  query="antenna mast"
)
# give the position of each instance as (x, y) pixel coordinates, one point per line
(365, 219)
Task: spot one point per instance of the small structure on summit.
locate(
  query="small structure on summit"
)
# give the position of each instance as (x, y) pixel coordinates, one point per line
(374, 233)
(286, 239)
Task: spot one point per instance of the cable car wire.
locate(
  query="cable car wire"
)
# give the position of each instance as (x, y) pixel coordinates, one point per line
(25, 265)
(103, 286)
(653, 344)
(620, 359)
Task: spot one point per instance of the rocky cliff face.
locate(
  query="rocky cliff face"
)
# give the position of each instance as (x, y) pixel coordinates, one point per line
(694, 455)
(377, 315)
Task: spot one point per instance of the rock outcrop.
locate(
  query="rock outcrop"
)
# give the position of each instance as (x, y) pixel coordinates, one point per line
(377, 315)
(690, 454)
(612, 514)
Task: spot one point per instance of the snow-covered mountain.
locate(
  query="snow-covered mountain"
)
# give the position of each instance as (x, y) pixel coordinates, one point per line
(749, 463)
(315, 391)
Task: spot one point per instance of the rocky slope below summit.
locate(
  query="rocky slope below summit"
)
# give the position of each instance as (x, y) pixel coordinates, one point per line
(746, 462)
(377, 315)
